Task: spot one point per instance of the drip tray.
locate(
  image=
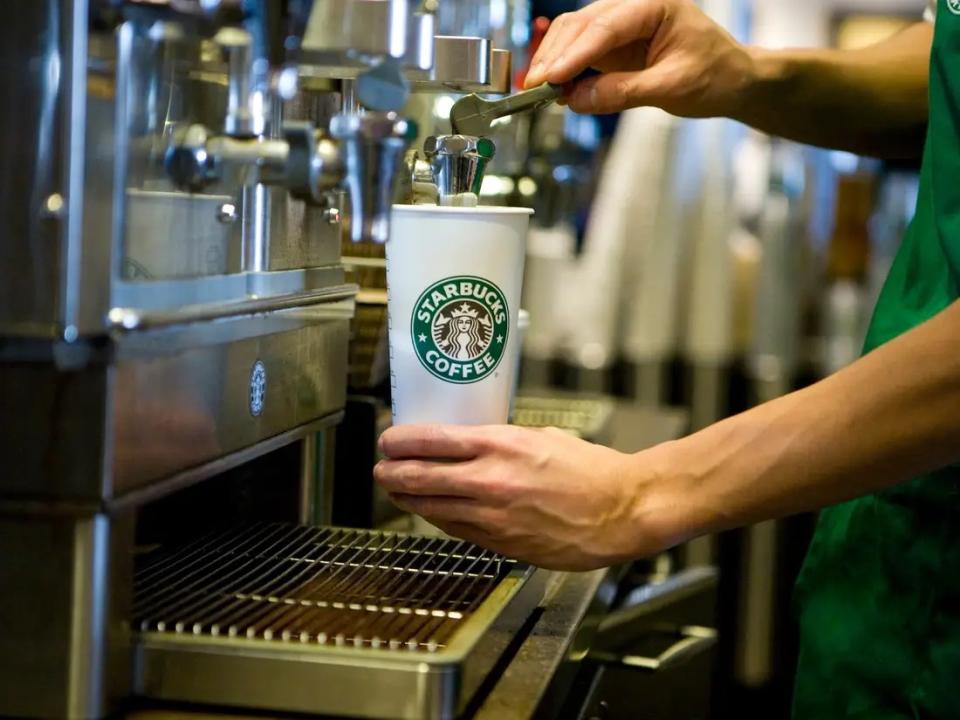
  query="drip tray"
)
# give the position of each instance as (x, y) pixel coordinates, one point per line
(326, 621)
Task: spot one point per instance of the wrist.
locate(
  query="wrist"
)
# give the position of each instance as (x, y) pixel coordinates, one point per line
(665, 499)
(765, 74)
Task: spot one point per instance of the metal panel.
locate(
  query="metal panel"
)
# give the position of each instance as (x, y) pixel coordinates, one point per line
(174, 412)
(52, 429)
(175, 235)
(91, 193)
(161, 87)
(153, 404)
(56, 172)
(301, 235)
(35, 61)
(63, 647)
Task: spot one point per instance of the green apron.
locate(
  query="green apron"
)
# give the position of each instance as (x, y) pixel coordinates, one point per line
(879, 594)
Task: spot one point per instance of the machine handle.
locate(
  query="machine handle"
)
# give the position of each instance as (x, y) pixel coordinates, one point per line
(525, 101)
(472, 114)
(338, 298)
(694, 640)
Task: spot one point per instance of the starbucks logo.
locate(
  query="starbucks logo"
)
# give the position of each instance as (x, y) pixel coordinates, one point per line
(954, 6)
(258, 388)
(459, 328)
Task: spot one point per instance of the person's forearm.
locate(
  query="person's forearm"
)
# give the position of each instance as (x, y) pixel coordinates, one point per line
(668, 54)
(880, 421)
(871, 101)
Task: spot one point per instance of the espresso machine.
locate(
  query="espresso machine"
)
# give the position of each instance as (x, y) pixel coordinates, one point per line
(178, 179)
(189, 188)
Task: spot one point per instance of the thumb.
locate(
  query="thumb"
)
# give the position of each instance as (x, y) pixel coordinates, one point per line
(616, 91)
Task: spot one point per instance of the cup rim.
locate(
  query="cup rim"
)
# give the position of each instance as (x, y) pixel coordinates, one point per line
(453, 210)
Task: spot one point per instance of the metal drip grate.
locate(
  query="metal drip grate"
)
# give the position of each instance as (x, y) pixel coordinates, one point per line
(587, 418)
(327, 586)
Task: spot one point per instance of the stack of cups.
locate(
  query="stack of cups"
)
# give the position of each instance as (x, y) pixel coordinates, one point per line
(454, 276)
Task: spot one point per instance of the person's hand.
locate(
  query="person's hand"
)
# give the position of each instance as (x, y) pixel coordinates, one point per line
(665, 53)
(538, 495)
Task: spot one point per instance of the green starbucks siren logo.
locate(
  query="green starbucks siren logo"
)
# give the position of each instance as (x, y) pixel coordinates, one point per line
(459, 328)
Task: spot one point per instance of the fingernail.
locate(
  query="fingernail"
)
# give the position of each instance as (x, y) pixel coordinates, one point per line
(584, 97)
(534, 72)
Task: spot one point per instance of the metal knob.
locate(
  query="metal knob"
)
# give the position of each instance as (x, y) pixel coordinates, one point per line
(188, 162)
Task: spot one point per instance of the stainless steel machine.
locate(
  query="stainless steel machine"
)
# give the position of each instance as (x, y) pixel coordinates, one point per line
(177, 178)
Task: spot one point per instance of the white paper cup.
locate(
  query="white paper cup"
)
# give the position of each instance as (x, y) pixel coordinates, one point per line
(523, 322)
(454, 277)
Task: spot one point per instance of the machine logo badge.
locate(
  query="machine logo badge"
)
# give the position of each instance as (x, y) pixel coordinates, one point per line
(459, 328)
(954, 6)
(258, 388)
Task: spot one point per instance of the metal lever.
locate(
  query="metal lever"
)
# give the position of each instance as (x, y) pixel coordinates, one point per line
(693, 641)
(472, 115)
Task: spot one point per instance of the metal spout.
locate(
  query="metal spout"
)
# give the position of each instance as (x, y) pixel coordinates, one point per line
(458, 163)
(372, 147)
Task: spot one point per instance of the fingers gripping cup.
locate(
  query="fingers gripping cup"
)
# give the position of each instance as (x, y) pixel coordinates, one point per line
(454, 276)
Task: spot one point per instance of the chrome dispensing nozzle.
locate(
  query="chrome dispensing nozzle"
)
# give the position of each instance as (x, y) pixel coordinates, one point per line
(371, 148)
(457, 164)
